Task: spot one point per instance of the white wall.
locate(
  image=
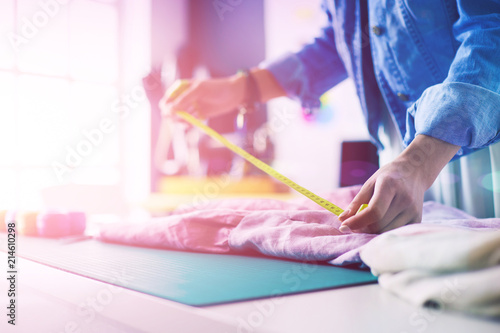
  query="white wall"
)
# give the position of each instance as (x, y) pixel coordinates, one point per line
(309, 151)
(136, 56)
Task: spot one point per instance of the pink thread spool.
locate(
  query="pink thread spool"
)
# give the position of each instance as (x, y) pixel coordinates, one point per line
(53, 224)
(77, 223)
(26, 223)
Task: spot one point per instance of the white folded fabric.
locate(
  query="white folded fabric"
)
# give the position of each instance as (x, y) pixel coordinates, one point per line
(442, 267)
(474, 292)
(434, 248)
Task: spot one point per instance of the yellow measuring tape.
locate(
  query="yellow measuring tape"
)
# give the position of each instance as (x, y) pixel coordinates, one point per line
(252, 159)
(259, 164)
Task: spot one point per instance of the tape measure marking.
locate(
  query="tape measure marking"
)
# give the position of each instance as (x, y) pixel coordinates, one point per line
(259, 164)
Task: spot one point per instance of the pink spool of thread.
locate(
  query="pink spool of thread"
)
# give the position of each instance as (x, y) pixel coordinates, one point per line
(53, 224)
(77, 223)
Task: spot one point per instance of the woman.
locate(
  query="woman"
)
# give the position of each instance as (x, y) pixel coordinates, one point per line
(427, 75)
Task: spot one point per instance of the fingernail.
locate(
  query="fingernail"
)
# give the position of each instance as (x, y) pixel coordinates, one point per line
(344, 229)
(344, 213)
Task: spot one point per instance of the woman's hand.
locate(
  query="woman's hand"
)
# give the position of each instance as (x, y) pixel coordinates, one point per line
(394, 198)
(213, 97)
(395, 192)
(207, 98)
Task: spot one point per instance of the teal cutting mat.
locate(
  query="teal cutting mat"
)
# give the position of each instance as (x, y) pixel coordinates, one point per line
(185, 277)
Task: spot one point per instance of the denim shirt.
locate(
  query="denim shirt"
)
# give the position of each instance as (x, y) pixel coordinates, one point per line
(435, 63)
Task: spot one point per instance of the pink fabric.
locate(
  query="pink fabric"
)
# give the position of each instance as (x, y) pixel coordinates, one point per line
(203, 231)
(299, 229)
(310, 235)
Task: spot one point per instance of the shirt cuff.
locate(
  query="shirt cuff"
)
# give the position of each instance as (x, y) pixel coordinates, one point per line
(462, 114)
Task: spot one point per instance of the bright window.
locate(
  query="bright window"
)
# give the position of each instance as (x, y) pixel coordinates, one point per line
(60, 74)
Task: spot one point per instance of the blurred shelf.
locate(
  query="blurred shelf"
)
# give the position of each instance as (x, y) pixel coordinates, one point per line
(183, 191)
(222, 185)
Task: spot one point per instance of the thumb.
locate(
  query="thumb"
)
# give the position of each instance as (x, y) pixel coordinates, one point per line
(358, 203)
(176, 89)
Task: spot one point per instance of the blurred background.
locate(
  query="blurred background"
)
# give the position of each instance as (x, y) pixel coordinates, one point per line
(79, 85)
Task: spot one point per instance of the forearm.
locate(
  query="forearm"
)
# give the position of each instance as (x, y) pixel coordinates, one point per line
(268, 87)
(426, 156)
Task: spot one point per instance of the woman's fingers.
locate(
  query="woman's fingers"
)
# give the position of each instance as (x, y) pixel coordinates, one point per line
(362, 197)
(392, 200)
(205, 98)
(169, 102)
(186, 101)
(384, 203)
(377, 211)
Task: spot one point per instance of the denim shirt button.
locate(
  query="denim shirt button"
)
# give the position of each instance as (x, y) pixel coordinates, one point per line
(403, 97)
(377, 31)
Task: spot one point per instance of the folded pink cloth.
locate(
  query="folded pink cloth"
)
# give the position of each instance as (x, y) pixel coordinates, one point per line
(299, 229)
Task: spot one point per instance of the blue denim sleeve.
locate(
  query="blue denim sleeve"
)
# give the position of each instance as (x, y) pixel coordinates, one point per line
(307, 74)
(465, 109)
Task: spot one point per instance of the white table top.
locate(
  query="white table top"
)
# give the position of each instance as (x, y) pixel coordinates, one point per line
(51, 300)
